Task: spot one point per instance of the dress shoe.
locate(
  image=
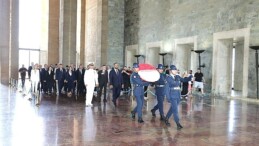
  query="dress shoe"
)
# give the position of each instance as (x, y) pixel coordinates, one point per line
(167, 122)
(162, 117)
(179, 126)
(153, 112)
(140, 120)
(132, 115)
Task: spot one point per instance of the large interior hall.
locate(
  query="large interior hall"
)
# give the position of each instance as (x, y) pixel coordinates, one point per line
(219, 38)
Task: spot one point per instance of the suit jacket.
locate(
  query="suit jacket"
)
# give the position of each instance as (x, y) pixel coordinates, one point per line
(80, 76)
(50, 76)
(116, 80)
(43, 74)
(60, 75)
(103, 77)
(70, 78)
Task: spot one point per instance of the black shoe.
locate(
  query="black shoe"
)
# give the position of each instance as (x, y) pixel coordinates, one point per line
(162, 117)
(167, 122)
(140, 120)
(153, 112)
(132, 115)
(179, 126)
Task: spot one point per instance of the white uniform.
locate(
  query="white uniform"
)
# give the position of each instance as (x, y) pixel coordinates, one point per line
(90, 80)
(35, 78)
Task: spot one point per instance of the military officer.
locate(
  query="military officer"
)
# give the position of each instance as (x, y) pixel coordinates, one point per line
(173, 94)
(138, 92)
(160, 93)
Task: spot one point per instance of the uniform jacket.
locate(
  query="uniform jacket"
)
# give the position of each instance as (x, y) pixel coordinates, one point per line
(174, 82)
(90, 77)
(161, 82)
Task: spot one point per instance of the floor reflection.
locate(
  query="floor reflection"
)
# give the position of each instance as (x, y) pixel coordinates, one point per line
(60, 120)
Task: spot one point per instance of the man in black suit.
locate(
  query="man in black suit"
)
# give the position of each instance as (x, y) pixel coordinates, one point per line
(23, 71)
(60, 77)
(44, 74)
(80, 72)
(29, 70)
(116, 82)
(102, 80)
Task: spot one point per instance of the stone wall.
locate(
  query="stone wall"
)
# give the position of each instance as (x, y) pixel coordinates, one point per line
(152, 21)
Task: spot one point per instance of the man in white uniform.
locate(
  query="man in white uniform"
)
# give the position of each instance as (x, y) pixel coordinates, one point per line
(90, 80)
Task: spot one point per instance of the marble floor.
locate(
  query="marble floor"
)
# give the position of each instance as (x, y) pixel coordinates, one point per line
(64, 121)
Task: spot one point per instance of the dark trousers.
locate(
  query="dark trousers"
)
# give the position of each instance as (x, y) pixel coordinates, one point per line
(139, 94)
(70, 86)
(160, 105)
(116, 93)
(60, 85)
(145, 89)
(44, 86)
(80, 87)
(102, 87)
(65, 86)
(23, 80)
(49, 86)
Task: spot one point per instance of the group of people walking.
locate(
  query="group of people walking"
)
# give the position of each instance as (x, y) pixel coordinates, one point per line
(87, 80)
(69, 80)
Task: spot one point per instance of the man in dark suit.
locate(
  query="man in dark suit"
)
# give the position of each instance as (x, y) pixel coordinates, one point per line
(102, 80)
(29, 70)
(60, 77)
(80, 72)
(44, 74)
(23, 71)
(116, 82)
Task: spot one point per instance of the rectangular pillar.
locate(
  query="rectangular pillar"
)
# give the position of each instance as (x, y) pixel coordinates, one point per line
(14, 32)
(53, 33)
(4, 41)
(68, 34)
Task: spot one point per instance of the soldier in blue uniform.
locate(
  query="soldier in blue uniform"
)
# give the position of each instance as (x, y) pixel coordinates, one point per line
(173, 93)
(138, 91)
(160, 93)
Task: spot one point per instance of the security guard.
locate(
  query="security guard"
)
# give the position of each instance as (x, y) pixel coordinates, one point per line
(160, 93)
(173, 93)
(138, 92)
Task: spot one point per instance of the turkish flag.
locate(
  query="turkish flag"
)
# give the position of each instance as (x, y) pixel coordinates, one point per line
(148, 73)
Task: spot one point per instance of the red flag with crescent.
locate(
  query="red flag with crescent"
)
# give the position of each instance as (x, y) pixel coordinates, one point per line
(148, 73)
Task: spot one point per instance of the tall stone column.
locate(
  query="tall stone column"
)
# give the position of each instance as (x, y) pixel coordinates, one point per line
(14, 32)
(5, 39)
(67, 34)
(96, 32)
(9, 16)
(53, 33)
(82, 32)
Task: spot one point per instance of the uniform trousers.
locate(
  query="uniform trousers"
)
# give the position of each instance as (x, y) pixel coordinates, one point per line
(89, 94)
(160, 105)
(174, 101)
(139, 94)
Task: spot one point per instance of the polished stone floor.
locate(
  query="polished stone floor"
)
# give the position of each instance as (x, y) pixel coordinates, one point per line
(67, 122)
